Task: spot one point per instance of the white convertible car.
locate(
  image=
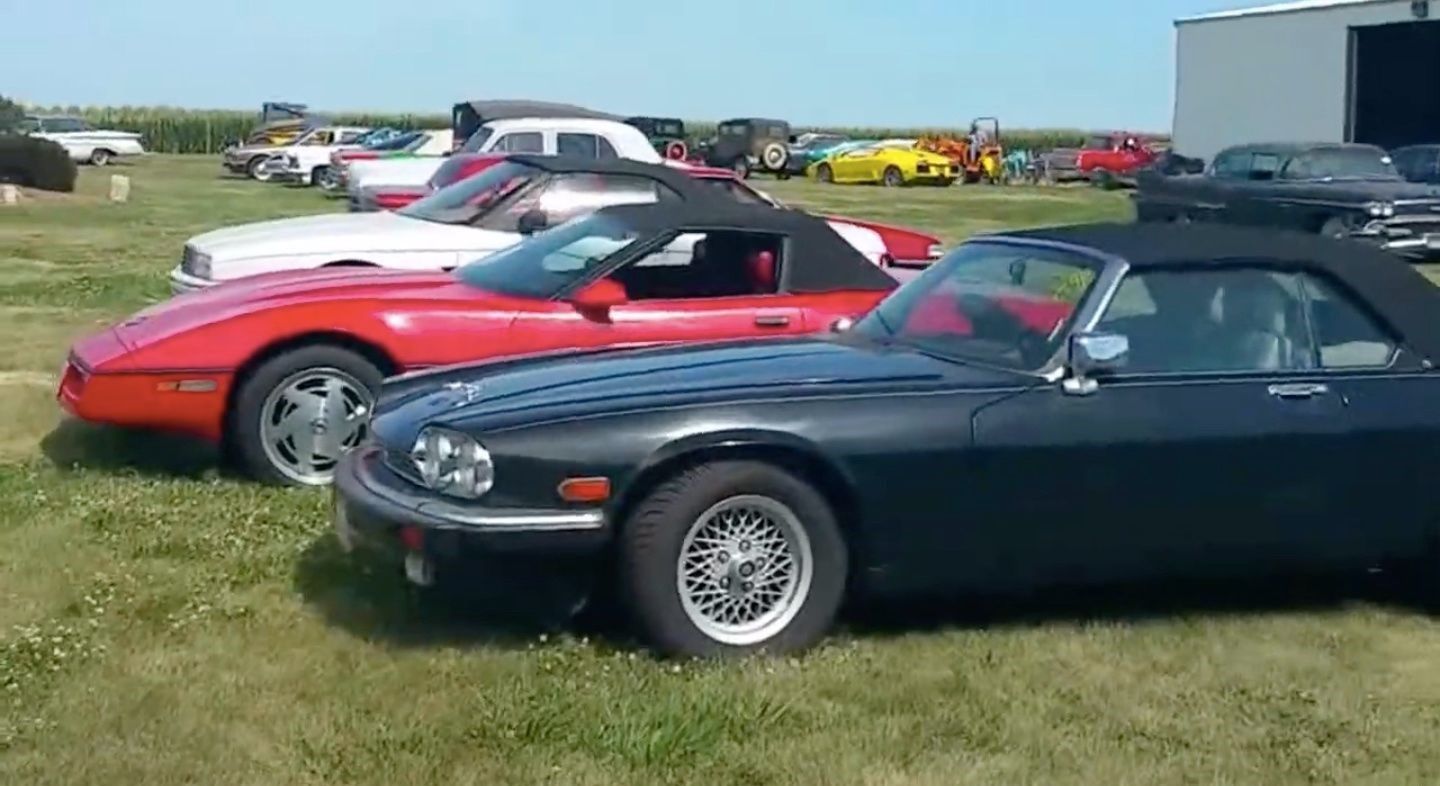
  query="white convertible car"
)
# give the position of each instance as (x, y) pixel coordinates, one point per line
(83, 143)
(468, 220)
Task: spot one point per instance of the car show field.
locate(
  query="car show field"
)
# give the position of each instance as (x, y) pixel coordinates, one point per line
(164, 621)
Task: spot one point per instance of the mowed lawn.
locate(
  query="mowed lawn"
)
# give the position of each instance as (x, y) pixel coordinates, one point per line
(161, 623)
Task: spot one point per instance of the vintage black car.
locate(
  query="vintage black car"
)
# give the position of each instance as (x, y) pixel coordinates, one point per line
(750, 144)
(1418, 163)
(667, 134)
(1328, 189)
(1055, 406)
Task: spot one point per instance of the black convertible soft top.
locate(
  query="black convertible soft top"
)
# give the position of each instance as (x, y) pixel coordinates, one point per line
(1399, 295)
(815, 258)
(682, 183)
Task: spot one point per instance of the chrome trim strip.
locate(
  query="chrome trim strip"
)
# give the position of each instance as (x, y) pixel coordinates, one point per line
(463, 520)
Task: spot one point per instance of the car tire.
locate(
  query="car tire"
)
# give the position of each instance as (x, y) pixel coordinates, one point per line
(255, 169)
(323, 177)
(824, 174)
(660, 535)
(295, 392)
(892, 177)
(99, 157)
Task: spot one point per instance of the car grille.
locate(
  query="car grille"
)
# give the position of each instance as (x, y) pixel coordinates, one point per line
(187, 259)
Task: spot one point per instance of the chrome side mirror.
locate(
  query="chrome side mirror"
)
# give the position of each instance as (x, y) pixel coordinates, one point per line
(1094, 355)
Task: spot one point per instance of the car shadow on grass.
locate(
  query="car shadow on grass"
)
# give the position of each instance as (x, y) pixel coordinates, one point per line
(368, 597)
(75, 444)
(1140, 603)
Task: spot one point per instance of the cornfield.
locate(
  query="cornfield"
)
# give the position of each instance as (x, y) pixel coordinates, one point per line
(175, 130)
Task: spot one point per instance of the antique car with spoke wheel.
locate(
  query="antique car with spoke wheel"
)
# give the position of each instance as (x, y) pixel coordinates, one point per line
(1071, 405)
(282, 369)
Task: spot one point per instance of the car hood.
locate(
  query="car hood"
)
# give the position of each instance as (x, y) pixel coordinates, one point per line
(533, 390)
(333, 233)
(374, 287)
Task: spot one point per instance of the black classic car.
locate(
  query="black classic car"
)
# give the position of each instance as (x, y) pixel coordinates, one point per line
(1418, 163)
(1057, 406)
(667, 134)
(749, 144)
(1328, 189)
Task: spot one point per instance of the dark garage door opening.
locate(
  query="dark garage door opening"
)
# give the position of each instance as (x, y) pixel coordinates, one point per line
(1395, 84)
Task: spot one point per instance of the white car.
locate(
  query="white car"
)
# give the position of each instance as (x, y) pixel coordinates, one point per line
(549, 135)
(469, 220)
(257, 160)
(83, 143)
(316, 164)
(422, 145)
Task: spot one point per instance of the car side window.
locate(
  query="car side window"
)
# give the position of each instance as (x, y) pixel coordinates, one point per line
(1346, 335)
(28, 125)
(1196, 321)
(1263, 166)
(573, 144)
(604, 150)
(1298, 168)
(349, 137)
(707, 264)
(521, 142)
(1232, 164)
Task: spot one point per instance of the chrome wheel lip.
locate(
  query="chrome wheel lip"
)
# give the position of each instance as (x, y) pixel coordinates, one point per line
(342, 429)
(773, 617)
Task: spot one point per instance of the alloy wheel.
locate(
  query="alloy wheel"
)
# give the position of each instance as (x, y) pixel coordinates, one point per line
(744, 570)
(310, 419)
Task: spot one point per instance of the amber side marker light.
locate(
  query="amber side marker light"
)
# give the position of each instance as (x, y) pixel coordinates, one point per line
(585, 489)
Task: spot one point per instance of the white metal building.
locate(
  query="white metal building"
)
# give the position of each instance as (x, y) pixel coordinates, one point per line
(1308, 71)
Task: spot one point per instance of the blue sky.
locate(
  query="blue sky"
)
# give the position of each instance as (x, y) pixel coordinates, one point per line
(1034, 63)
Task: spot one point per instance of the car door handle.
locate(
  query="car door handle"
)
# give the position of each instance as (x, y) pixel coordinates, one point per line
(1299, 390)
(772, 320)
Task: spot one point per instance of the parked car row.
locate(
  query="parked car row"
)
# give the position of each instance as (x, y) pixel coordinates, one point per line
(640, 376)
(731, 418)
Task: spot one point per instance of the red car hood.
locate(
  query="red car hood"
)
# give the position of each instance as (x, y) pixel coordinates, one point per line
(248, 296)
(902, 243)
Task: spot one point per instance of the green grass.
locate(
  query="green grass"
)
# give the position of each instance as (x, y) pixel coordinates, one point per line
(162, 624)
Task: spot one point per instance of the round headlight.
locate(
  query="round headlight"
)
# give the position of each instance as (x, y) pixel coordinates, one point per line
(452, 463)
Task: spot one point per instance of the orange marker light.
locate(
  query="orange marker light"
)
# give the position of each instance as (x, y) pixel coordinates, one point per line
(585, 489)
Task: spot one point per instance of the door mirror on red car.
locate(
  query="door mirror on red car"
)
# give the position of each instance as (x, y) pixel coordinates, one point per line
(532, 221)
(599, 296)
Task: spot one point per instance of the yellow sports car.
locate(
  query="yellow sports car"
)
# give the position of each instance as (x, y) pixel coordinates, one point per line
(895, 162)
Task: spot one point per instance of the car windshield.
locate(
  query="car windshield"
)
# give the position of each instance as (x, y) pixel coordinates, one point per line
(1343, 163)
(669, 128)
(477, 140)
(542, 265)
(467, 200)
(399, 142)
(1001, 304)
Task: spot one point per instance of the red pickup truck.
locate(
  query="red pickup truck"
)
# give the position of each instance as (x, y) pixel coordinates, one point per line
(1119, 153)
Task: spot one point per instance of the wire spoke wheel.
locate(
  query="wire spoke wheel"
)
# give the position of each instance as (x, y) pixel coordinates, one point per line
(310, 419)
(744, 570)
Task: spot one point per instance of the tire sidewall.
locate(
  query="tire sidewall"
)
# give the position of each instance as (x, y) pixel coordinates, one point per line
(242, 432)
(825, 174)
(253, 169)
(650, 546)
(886, 179)
(99, 157)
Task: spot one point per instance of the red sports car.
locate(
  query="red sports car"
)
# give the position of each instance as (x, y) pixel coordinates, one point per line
(281, 369)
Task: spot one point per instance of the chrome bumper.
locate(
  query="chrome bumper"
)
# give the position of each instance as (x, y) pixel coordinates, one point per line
(182, 282)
